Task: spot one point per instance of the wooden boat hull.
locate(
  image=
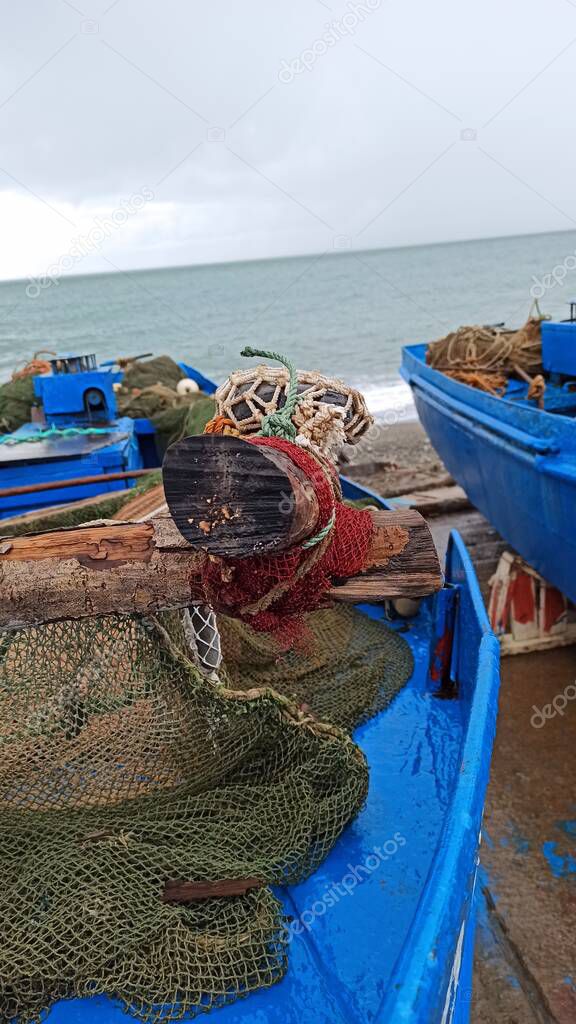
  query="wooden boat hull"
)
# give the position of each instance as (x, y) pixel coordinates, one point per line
(516, 463)
(384, 929)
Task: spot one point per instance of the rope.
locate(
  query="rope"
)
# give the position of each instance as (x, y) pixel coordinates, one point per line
(32, 369)
(279, 423)
(283, 586)
(221, 425)
(322, 533)
(52, 434)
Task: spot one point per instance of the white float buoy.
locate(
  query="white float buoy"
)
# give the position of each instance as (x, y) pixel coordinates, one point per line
(187, 386)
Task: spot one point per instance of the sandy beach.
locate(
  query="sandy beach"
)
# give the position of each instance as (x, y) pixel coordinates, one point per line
(395, 459)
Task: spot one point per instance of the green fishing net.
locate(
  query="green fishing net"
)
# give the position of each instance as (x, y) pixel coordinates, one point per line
(16, 400)
(149, 391)
(123, 768)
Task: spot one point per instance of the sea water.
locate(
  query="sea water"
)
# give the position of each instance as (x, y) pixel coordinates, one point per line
(346, 313)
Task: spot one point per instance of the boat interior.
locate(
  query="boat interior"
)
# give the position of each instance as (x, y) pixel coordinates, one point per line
(388, 882)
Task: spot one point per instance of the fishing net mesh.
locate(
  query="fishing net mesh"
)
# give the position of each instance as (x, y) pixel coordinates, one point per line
(123, 768)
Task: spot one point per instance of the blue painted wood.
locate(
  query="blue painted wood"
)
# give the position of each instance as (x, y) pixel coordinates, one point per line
(516, 463)
(559, 347)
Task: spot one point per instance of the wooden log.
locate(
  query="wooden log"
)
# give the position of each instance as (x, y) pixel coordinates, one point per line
(148, 567)
(402, 561)
(235, 499)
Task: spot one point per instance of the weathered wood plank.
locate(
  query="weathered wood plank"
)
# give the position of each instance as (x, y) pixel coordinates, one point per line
(433, 502)
(148, 567)
(411, 569)
(176, 891)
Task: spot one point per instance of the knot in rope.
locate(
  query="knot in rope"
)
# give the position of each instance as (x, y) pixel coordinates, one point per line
(279, 423)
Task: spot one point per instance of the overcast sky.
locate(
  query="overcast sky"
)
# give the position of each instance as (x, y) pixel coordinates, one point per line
(237, 129)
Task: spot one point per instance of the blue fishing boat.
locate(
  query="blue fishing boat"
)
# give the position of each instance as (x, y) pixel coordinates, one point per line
(384, 929)
(77, 435)
(515, 460)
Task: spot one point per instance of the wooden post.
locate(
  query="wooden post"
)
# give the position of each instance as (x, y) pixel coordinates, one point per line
(149, 567)
(236, 499)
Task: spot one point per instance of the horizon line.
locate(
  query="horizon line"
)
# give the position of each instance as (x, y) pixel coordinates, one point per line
(294, 256)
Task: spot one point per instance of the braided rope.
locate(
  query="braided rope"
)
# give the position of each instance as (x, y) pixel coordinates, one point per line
(52, 434)
(283, 586)
(279, 423)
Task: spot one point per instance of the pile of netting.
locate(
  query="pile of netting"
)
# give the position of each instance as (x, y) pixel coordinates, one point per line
(123, 768)
(149, 390)
(16, 401)
(485, 357)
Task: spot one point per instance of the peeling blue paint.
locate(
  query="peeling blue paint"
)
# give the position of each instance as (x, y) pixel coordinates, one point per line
(569, 827)
(560, 865)
(518, 842)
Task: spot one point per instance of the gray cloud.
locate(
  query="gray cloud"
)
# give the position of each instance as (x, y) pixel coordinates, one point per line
(413, 123)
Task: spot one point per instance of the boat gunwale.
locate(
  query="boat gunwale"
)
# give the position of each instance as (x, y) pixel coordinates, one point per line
(444, 910)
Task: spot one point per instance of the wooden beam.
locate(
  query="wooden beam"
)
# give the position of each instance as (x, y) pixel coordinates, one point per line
(434, 501)
(149, 567)
(402, 561)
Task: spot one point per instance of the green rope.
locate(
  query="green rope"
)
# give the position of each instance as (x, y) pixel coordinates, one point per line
(279, 423)
(321, 533)
(51, 434)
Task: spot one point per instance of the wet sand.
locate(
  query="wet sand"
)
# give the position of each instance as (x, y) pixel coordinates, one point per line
(525, 957)
(525, 965)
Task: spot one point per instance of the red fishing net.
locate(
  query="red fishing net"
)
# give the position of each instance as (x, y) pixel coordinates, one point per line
(272, 593)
